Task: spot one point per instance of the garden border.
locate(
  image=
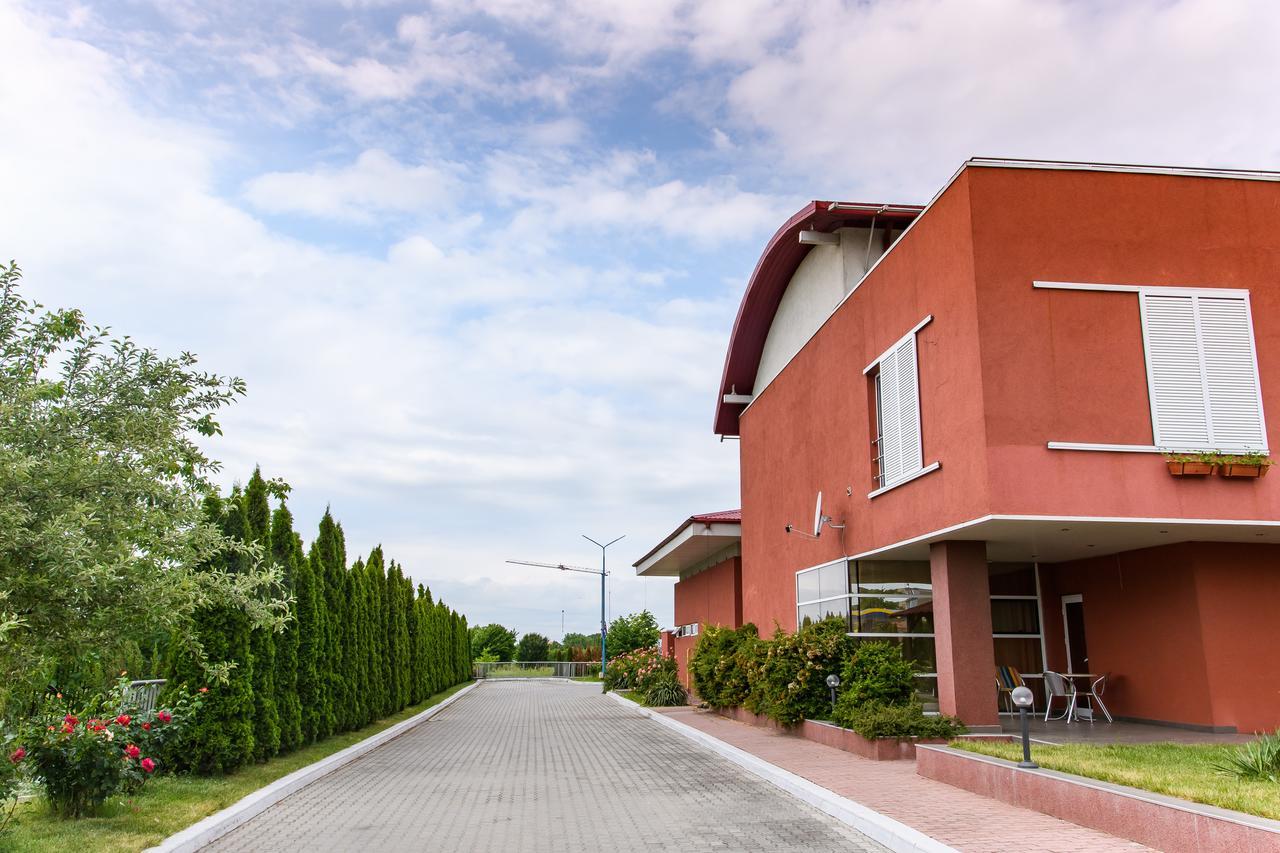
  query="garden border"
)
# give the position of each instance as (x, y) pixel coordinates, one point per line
(895, 835)
(220, 823)
(1156, 820)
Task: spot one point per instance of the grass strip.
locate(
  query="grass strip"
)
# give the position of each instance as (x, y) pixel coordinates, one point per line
(172, 803)
(1185, 771)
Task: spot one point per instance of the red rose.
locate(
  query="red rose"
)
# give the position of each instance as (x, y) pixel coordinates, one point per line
(164, 717)
(123, 719)
(67, 728)
(70, 719)
(204, 689)
(146, 727)
(17, 755)
(132, 751)
(148, 765)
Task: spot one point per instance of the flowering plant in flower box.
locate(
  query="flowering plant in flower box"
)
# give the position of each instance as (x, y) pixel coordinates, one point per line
(82, 756)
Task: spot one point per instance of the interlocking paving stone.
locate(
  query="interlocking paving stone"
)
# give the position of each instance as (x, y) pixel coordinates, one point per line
(542, 766)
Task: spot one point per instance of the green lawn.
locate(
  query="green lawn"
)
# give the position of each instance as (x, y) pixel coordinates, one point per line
(1179, 770)
(521, 672)
(171, 803)
(594, 679)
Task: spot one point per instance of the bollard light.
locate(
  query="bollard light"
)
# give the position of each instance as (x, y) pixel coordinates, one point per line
(833, 681)
(1023, 698)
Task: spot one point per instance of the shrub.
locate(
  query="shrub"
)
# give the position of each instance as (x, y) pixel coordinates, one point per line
(788, 673)
(875, 720)
(83, 756)
(877, 674)
(1256, 760)
(665, 691)
(717, 667)
(636, 670)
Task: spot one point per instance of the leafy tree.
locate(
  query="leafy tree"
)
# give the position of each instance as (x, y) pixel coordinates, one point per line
(628, 633)
(493, 640)
(532, 647)
(102, 536)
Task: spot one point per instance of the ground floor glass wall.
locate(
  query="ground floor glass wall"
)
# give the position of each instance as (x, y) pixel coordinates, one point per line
(892, 601)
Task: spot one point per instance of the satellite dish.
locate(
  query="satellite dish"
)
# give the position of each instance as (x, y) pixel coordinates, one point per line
(817, 516)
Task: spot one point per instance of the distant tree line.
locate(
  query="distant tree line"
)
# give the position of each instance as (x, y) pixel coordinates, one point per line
(360, 642)
(496, 642)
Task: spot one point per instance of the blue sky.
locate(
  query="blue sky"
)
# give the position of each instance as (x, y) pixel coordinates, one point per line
(478, 262)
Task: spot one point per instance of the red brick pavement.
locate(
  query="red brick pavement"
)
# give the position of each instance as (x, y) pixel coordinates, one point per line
(963, 820)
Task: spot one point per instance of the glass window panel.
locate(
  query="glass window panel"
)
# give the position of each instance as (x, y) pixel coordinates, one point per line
(807, 614)
(807, 586)
(876, 614)
(927, 692)
(894, 577)
(833, 580)
(1012, 578)
(1021, 654)
(1014, 616)
(919, 650)
(837, 607)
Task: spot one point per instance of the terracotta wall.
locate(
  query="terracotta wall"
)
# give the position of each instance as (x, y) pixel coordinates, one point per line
(1069, 366)
(711, 597)
(811, 429)
(1188, 632)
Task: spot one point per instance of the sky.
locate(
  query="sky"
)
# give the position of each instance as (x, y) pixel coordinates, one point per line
(478, 263)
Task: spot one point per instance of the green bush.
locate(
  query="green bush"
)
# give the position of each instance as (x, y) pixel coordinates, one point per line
(875, 720)
(1256, 760)
(665, 691)
(636, 670)
(787, 674)
(877, 674)
(717, 667)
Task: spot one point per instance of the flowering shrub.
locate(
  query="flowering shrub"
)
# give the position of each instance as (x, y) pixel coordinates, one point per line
(717, 666)
(83, 756)
(11, 771)
(788, 674)
(636, 670)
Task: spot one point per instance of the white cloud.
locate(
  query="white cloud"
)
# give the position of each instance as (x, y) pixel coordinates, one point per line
(376, 183)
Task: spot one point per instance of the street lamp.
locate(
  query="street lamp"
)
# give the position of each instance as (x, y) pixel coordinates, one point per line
(603, 574)
(833, 681)
(1023, 698)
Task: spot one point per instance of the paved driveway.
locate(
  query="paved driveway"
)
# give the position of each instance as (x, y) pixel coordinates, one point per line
(542, 766)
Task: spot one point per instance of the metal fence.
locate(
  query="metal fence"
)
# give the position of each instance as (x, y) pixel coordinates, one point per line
(142, 695)
(536, 669)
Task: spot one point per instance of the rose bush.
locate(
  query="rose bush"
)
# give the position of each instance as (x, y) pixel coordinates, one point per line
(638, 669)
(84, 755)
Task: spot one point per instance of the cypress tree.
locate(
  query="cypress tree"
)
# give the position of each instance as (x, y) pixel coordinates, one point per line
(220, 738)
(262, 642)
(373, 662)
(312, 689)
(330, 564)
(358, 676)
(284, 551)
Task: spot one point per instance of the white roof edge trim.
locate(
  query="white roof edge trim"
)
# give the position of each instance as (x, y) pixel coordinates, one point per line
(1104, 519)
(687, 532)
(995, 162)
(1128, 168)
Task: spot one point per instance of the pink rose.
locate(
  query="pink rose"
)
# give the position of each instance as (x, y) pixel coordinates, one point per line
(148, 765)
(132, 751)
(17, 755)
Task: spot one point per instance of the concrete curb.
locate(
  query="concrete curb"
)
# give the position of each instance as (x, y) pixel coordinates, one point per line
(220, 823)
(895, 835)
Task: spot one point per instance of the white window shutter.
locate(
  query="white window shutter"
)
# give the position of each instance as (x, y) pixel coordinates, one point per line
(1201, 372)
(909, 407)
(1231, 375)
(1179, 415)
(890, 399)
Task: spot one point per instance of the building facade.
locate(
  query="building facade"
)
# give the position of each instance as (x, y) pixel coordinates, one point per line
(981, 390)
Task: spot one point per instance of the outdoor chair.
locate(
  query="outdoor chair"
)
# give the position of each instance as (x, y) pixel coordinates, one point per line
(1056, 686)
(1093, 694)
(1008, 678)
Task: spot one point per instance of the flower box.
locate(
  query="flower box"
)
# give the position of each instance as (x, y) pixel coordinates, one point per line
(1243, 471)
(1190, 469)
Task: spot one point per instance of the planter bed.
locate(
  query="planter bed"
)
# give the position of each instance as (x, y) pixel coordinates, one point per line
(829, 734)
(1159, 821)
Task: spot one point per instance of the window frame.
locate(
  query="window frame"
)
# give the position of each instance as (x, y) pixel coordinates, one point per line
(878, 422)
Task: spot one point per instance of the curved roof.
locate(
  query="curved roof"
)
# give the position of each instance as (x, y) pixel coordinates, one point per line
(773, 272)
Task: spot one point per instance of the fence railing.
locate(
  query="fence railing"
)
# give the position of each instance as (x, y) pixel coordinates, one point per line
(143, 694)
(536, 669)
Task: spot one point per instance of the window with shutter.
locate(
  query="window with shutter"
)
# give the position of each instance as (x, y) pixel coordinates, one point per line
(899, 451)
(1201, 371)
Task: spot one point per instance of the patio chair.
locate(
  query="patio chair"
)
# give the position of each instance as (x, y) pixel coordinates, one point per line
(1093, 694)
(1056, 686)
(1008, 678)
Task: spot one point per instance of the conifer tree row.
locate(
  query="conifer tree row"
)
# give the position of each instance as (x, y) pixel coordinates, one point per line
(361, 643)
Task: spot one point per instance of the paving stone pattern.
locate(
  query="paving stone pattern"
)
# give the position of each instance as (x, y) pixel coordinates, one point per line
(542, 766)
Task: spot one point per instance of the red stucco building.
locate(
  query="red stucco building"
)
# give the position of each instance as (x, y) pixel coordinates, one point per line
(981, 389)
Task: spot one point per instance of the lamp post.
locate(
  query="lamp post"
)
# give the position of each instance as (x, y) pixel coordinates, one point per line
(603, 548)
(833, 681)
(1023, 697)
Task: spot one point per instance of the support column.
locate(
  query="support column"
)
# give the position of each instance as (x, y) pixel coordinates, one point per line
(962, 626)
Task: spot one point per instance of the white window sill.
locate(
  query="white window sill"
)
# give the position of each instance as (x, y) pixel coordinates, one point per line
(1149, 448)
(907, 479)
